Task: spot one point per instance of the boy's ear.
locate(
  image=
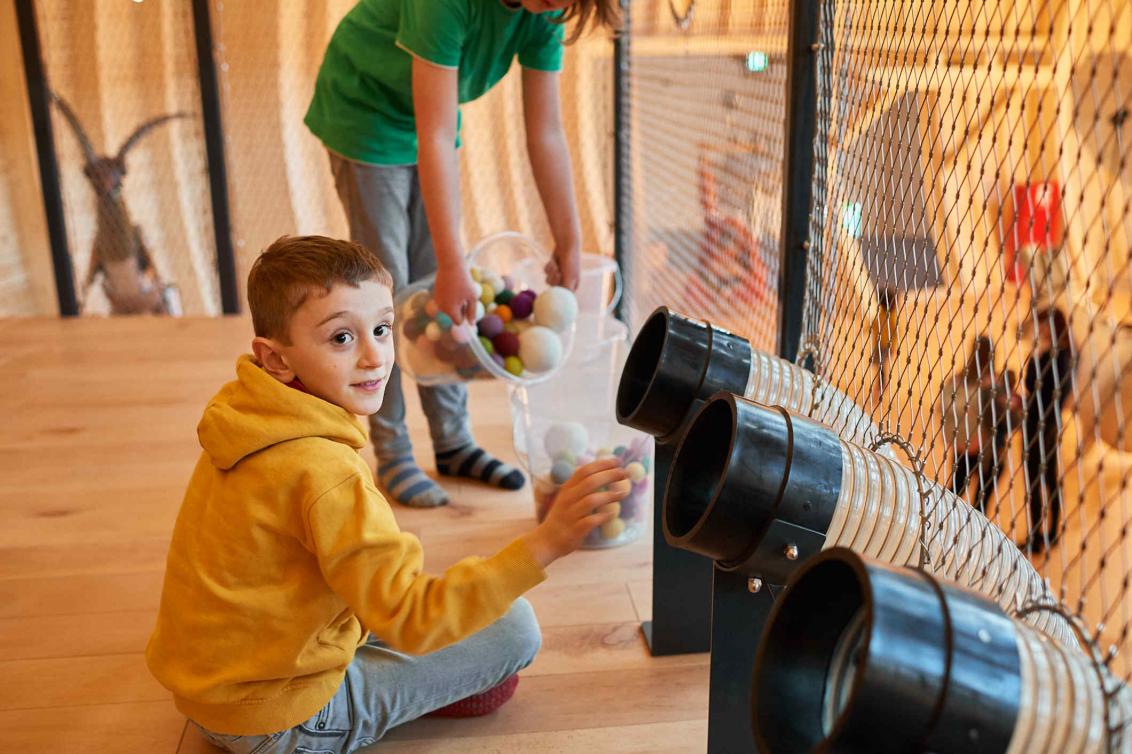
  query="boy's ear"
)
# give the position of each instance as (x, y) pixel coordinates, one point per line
(268, 354)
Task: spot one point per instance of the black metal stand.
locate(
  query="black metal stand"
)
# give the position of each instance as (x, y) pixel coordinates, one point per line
(681, 583)
(738, 617)
(739, 613)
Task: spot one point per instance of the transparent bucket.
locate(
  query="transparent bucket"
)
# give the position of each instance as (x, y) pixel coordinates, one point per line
(599, 290)
(434, 351)
(569, 420)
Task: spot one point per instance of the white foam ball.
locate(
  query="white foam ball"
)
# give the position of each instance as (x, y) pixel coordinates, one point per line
(540, 349)
(556, 308)
(480, 311)
(566, 437)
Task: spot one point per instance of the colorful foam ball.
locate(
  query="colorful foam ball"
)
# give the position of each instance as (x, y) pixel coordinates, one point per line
(418, 301)
(566, 437)
(490, 326)
(612, 529)
(568, 457)
(495, 281)
(514, 365)
(503, 312)
(433, 332)
(506, 344)
(511, 327)
(504, 296)
(432, 308)
(485, 343)
(540, 348)
(498, 359)
(443, 320)
(413, 328)
(476, 274)
(613, 508)
(646, 462)
(556, 308)
(636, 472)
(522, 304)
(488, 294)
(461, 333)
(561, 472)
(480, 311)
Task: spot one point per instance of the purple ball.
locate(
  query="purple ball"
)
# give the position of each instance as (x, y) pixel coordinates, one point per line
(522, 304)
(506, 344)
(490, 326)
(497, 359)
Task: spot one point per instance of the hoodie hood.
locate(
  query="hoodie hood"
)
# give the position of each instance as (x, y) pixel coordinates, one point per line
(257, 411)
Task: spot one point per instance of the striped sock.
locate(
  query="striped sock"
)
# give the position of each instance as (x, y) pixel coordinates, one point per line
(408, 485)
(474, 462)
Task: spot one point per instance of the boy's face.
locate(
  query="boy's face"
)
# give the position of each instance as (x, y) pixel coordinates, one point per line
(341, 346)
(545, 6)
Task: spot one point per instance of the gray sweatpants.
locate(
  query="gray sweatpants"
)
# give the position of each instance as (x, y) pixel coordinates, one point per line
(384, 688)
(386, 214)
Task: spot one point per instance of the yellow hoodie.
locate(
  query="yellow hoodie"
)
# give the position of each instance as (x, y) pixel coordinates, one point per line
(284, 555)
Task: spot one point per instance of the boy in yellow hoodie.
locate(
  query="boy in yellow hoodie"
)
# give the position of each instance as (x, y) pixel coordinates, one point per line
(294, 614)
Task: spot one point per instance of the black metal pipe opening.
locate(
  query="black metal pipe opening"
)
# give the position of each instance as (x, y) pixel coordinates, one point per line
(704, 456)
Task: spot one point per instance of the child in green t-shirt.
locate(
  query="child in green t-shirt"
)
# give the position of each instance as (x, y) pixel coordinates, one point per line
(386, 108)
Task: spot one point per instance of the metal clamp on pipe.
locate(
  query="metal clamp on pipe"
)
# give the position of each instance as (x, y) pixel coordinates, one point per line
(676, 362)
(752, 487)
(759, 490)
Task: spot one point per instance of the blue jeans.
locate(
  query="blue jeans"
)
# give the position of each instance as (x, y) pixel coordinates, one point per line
(384, 688)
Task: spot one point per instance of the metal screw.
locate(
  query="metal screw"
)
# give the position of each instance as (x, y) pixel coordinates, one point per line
(791, 552)
(754, 585)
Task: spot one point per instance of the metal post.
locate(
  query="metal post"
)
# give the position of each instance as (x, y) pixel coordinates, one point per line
(39, 100)
(741, 606)
(217, 170)
(681, 582)
(622, 156)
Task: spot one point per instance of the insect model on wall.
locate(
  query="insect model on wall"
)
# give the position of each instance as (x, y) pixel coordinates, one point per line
(119, 256)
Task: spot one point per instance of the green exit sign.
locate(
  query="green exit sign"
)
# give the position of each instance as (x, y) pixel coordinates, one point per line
(757, 61)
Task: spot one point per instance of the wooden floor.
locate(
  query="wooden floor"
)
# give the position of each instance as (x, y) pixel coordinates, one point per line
(97, 440)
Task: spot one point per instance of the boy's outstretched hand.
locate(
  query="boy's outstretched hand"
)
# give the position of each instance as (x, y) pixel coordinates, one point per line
(575, 513)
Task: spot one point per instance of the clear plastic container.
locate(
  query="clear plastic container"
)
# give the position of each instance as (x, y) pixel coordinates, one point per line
(434, 351)
(598, 293)
(569, 420)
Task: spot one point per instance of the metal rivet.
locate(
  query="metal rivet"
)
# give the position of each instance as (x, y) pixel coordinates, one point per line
(321, 726)
(791, 552)
(754, 585)
(984, 636)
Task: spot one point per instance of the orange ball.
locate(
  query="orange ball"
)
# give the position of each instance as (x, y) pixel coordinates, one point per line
(503, 311)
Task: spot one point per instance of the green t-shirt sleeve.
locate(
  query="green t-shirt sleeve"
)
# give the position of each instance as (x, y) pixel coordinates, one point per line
(434, 30)
(543, 48)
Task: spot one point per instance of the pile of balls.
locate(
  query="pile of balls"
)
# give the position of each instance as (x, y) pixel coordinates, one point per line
(519, 330)
(567, 445)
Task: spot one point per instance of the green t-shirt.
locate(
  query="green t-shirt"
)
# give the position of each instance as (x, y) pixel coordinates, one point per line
(363, 98)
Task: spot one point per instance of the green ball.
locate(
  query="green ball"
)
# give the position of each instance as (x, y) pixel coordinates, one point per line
(513, 365)
(504, 296)
(488, 348)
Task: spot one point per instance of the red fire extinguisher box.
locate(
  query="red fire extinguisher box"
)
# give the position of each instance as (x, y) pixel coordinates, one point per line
(1037, 221)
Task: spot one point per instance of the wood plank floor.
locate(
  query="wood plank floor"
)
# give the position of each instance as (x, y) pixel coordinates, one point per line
(97, 440)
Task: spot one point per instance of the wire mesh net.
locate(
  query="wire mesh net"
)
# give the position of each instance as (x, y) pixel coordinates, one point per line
(968, 282)
(969, 277)
(130, 146)
(705, 111)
